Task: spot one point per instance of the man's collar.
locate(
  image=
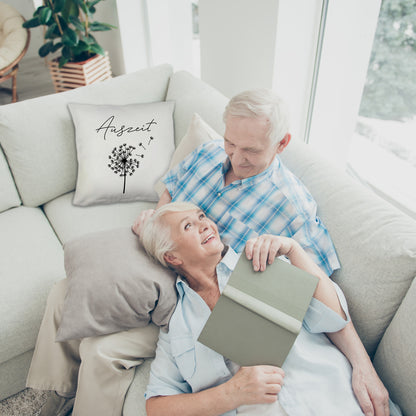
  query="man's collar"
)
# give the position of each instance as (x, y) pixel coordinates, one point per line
(252, 179)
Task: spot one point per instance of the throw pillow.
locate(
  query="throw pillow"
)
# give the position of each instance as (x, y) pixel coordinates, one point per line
(198, 133)
(113, 285)
(122, 150)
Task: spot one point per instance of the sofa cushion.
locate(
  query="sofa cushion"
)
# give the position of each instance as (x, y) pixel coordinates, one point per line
(48, 131)
(31, 260)
(192, 95)
(70, 221)
(198, 133)
(113, 286)
(134, 404)
(9, 197)
(121, 150)
(374, 241)
(394, 359)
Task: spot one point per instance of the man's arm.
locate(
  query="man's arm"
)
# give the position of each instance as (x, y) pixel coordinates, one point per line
(368, 388)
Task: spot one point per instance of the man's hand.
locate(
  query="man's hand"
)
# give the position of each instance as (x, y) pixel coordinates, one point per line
(370, 392)
(264, 249)
(255, 385)
(141, 219)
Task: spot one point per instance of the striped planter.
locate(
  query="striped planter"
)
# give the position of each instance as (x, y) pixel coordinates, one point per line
(78, 74)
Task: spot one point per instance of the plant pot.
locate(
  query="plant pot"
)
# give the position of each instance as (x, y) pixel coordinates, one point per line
(78, 74)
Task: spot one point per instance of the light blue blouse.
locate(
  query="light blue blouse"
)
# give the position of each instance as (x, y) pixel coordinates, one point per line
(317, 375)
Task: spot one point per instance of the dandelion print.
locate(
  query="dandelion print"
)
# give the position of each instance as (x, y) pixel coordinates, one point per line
(122, 163)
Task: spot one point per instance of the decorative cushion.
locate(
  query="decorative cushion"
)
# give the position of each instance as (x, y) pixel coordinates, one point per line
(113, 285)
(122, 150)
(48, 131)
(198, 133)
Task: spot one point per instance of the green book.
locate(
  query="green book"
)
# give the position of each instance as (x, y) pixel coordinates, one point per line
(259, 314)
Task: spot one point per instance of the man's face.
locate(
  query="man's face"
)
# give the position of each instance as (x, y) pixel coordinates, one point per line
(247, 146)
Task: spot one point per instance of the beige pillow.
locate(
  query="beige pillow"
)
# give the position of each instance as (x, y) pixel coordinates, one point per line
(198, 133)
(113, 285)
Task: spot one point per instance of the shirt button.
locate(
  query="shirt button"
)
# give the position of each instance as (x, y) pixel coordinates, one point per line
(219, 194)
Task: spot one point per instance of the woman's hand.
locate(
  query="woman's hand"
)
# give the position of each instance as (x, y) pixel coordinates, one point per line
(141, 219)
(264, 249)
(255, 385)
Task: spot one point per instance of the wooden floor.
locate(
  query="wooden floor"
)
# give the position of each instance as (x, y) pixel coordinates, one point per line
(33, 80)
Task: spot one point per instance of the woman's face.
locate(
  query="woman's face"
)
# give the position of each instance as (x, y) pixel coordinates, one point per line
(195, 236)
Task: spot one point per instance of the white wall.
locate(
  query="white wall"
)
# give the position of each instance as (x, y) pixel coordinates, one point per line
(130, 49)
(268, 44)
(170, 33)
(238, 42)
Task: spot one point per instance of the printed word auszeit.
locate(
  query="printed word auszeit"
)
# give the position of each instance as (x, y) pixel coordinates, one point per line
(108, 127)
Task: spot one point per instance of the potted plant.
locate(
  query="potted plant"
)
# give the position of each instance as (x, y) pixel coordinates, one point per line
(68, 30)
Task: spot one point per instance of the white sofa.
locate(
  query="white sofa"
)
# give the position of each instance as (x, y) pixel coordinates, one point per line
(376, 244)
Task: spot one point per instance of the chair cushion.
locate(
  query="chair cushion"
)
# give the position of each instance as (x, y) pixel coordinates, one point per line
(54, 169)
(374, 241)
(31, 261)
(13, 36)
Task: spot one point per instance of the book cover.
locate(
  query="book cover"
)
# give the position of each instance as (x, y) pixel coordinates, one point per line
(259, 314)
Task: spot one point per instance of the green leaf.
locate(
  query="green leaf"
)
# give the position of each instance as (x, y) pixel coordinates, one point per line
(77, 23)
(82, 47)
(52, 32)
(58, 5)
(100, 27)
(62, 61)
(82, 6)
(66, 52)
(57, 46)
(45, 49)
(89, 40)
(44, 15)
(70, 9)
(96, 48)
(70, 37)
(34, 22)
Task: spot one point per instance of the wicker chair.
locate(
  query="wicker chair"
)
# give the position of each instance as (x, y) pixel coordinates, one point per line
(14, 42)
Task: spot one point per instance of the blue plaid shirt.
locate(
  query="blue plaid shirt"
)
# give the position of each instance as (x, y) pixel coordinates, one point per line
(273, 202)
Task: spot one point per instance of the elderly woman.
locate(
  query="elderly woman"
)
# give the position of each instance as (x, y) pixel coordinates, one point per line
(188, 378)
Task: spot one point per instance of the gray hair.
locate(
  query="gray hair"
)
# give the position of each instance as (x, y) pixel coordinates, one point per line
(155, 235)
(261, 103)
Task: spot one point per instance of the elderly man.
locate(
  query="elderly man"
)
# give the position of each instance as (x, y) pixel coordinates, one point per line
(241, 185)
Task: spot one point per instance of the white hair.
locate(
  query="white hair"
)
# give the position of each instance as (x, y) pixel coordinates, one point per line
(261, 103)
(155, 235)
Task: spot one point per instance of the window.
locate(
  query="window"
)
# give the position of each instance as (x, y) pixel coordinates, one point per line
(383, 147)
